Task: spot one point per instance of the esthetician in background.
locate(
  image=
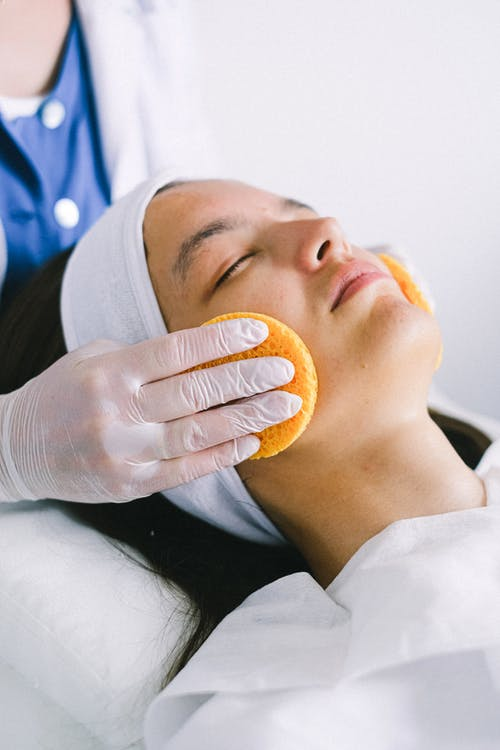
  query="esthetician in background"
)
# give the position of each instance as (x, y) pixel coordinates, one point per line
(95, 97)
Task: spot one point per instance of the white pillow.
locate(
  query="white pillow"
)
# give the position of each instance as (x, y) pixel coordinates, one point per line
(439, 401)
(82, 628)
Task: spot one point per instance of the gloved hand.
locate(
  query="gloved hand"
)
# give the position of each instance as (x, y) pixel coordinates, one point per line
(110, 423)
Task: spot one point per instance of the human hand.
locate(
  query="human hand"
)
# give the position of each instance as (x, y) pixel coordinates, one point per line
(108, 423)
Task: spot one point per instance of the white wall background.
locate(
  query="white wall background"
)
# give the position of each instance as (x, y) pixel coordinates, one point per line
(386, 114)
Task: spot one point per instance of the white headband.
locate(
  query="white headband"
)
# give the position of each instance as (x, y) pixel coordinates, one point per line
(107, 293)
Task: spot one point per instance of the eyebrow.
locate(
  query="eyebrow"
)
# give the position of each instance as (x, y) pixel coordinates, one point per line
(190, 248)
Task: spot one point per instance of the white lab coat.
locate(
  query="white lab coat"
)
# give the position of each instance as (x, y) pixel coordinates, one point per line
(402, 651)
(143, 71)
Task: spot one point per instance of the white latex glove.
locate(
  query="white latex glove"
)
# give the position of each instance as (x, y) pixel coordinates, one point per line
(110, 423)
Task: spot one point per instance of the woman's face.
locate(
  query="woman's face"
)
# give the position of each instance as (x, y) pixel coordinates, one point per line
(218, 246)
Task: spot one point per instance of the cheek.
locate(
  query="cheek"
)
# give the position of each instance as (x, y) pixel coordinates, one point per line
(266, 298)
(181, 309)
(280, 298)
(369, 256)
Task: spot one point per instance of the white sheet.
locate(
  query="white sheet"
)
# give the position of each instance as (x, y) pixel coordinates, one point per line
(401, 651)
(84, 632)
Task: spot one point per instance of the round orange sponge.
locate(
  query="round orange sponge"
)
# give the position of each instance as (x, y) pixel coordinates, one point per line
(410, 290)
(283, 342)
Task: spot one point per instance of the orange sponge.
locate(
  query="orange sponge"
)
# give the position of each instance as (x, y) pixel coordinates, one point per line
(406, 284)
(283, 342)
(410, 290)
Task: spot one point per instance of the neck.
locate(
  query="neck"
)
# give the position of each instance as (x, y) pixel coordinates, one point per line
(32, 39)
(401, 471)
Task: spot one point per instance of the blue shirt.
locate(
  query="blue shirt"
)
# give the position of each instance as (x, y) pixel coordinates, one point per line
(52, 177)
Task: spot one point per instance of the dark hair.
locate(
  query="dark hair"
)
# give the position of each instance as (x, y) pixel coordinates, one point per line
(216, 570)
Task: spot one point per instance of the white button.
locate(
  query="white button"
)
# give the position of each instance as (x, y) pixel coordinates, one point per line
(53, 114)
(66, 213)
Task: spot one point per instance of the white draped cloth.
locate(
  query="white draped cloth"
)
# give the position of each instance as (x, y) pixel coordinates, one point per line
(402, 650)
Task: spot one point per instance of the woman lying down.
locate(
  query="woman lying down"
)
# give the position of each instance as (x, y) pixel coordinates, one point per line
(346, 591)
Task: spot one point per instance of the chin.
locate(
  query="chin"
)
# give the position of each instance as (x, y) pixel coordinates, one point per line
(394, 351)
(404, 343)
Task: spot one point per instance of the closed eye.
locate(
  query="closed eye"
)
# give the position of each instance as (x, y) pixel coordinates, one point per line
(231, 270)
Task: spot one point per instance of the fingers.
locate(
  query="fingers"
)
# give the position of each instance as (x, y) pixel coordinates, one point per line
(180, 451)
(176, 471)
(217, 426)
(179, 351)
(197, 391)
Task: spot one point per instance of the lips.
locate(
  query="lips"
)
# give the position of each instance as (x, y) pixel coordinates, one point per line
(350, 278)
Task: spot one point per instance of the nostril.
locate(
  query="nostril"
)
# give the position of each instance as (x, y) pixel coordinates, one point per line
(323, 249)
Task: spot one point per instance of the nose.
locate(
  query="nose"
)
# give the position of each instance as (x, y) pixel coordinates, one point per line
(321, 242)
